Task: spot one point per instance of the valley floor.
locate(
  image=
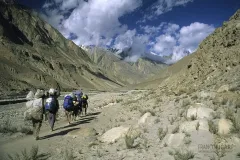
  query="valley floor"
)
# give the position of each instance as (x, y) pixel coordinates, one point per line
(131, 125)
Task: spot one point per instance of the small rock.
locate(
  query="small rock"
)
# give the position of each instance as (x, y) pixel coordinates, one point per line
(224, 126)
(144, 118)
(30, 95)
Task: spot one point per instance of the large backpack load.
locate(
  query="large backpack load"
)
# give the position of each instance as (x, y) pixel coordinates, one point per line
(35, 110)
(35, 107)
(51, 105)
(68, 102)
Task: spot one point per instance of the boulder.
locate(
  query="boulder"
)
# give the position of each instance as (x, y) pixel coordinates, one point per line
(224, 126)
(30, 95)
(190, 126)
(144, 118)
(174, 140)
(203, 112)
(82, 132)
(200, 112)
(113, 134)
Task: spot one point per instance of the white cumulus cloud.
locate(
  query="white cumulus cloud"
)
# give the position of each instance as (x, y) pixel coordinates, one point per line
(181, 42)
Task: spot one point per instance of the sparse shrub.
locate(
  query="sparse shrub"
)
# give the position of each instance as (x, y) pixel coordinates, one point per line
(147, 110)
(229, 114)
(181, 113)
(157, 120)
(93, 144)
(68, 155)
(187, 134)
(197, 126)
(158, 100)
(193, 117)
(32, 155)
(212, 127)
(122, 119)
(145, 130)
(216, 115)
(236, 124)
(165, 145)
(185, 103)
(182, 155)
(130, 137)
(187, 141)
(134, 108)
(194, 97)
(119, 100)
(215, 107)
(238, 155)
(220, 151)
(237, 103)
(99, 154)
(175, 130)
(224, 101)
(162, 133)
(26, 130)
(171, 120)
(7, 127)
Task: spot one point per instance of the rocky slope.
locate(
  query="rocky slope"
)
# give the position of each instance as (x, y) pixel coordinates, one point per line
(215, 63)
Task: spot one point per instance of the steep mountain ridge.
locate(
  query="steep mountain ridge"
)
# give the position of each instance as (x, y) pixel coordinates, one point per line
(33, 54)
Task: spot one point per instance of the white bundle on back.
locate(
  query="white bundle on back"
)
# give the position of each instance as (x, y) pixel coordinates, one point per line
(35, 107)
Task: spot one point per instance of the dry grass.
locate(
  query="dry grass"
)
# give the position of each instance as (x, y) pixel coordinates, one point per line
(212, 127)
(172, 119)
(162, 133)
(185, 103)
(130, 138)
(68, 155)
(182, 155)
(157, 120)
(146, 111)
(175, 130)
(238, 155)
(197, 126)
(7, 127)
(187, 141)
(236, 124)
(229, 114)
(119, 100)
(32, 155)
(216, 115)
(193, 117)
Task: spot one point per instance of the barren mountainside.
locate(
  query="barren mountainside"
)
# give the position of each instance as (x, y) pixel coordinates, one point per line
(34, 54)
(215, 63)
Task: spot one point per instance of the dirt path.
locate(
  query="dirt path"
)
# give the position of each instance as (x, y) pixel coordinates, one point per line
(47, 137)
(57, 141)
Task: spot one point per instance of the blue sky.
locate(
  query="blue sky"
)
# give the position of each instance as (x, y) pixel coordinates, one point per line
(152, 28)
